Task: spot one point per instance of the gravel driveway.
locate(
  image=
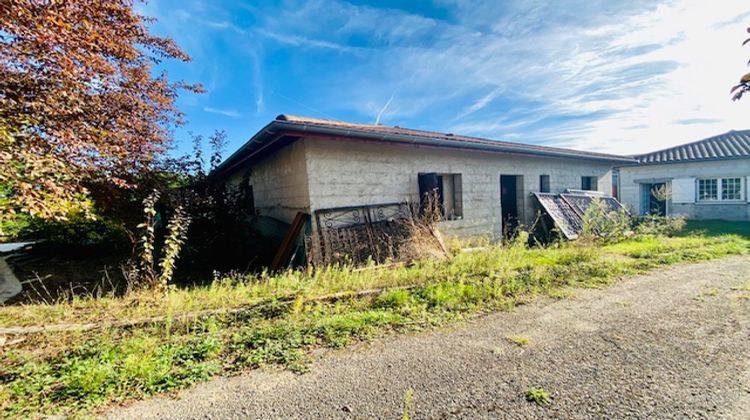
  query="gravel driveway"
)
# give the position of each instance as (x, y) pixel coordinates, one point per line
(671, 344)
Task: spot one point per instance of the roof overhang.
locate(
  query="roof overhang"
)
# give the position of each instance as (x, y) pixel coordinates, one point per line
(279, 129)
(687, 161)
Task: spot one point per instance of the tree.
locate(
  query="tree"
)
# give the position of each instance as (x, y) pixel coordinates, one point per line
(744, 85)
(79, 104)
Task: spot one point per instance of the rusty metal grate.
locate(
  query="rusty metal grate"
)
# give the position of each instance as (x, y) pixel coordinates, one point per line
(357, 234)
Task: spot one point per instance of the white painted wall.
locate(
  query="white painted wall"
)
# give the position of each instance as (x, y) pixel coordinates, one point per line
(345, 173)
(632, 176)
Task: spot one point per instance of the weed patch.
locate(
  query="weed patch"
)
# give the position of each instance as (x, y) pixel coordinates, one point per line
(71, 373)
(538, 396)
(519, 340)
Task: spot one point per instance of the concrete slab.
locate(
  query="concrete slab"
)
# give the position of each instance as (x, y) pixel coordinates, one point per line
(9, 284)
(13, 246)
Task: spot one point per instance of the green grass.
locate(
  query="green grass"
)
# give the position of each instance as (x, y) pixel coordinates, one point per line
(408, 402)
(538, 396)
(77, 373)
(519, 340)
(717, 227)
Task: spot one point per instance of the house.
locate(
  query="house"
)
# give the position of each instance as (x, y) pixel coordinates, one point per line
(706, 179)
(338, 170)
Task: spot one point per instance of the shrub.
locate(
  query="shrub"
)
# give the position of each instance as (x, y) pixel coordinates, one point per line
(14, 226)
(602, 224)
(173, 241)
(78, 231)
(653, 225)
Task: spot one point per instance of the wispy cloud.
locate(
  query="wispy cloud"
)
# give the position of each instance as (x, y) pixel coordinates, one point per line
(225, 112)
(481, 103)
(382, 110)
(303, 41)
(257, 78)
(616, 85)
(593, 74)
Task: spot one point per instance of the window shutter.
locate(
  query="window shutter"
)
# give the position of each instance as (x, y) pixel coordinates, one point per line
(683, 190)
(747, 189)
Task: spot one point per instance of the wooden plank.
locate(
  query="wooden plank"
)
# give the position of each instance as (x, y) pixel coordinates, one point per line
(290, 239)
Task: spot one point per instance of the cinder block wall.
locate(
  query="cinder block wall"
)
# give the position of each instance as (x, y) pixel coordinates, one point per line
(346, 173)
(280, 182)
(632, 176)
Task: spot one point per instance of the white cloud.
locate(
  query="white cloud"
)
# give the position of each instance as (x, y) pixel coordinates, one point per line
(688, 102)
(257, 78)
(303, 41)
(384, 108)
(622, 77)
(231, 113)
(652, 79)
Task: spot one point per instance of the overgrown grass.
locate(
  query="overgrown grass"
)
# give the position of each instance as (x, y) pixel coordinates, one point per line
(74, 373)
(717, 227)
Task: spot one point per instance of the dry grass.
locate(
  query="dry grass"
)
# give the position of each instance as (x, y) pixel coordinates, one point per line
(490, 262)
(73, 373)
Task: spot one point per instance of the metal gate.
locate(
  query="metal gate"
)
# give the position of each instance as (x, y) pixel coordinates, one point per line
(357, 234)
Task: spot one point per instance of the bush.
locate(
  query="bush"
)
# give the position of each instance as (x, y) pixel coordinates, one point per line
(14, 227)
(653, 225)
(78, 232)
(601, 224)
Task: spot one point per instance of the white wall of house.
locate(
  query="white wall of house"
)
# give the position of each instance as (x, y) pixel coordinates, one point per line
(345, 173)
(279, 181)
(682, 180)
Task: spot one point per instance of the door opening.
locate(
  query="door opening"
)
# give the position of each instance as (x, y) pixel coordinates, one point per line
(511, 202)
(654, 198)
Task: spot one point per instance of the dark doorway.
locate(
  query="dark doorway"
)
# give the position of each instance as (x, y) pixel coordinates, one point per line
(510, 191)
(431, 188)
(658, 199)
(654, 197)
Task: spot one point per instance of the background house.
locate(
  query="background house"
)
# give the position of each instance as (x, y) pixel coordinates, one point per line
(706, 179)
(309, 165)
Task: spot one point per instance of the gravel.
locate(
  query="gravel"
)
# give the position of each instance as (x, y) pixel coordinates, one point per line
(670, 344)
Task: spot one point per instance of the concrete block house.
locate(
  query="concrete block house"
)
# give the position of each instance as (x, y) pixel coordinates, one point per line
(706, 179)
(311, 165)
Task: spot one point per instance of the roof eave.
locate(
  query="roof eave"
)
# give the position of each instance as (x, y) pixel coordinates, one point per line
(277, 127)
(674, 162)
(409, 139)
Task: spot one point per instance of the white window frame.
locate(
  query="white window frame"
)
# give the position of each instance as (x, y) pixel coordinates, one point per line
(741, 189)
(719, 190)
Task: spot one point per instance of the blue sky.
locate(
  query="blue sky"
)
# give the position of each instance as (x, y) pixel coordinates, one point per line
(601, 75)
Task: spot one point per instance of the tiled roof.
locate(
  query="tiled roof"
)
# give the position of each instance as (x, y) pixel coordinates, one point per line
(292, 126)
(446, 137)
(731, 145)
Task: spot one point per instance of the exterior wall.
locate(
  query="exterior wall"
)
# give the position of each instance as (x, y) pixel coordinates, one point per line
(632, 176)
(346, 173)
(280, 182)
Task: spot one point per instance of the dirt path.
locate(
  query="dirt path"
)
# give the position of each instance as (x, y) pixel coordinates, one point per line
(671, 344)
